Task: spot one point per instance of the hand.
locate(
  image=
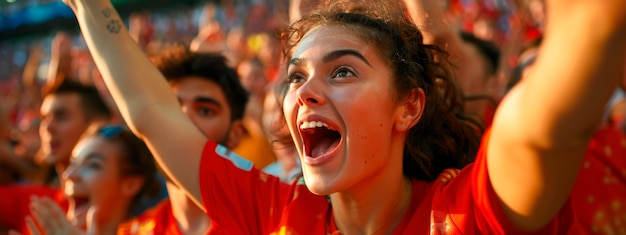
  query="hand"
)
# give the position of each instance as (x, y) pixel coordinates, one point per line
(48, 218)
(61, 44)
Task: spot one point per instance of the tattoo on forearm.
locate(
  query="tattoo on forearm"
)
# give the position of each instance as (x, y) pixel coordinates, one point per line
(107, 12)
(114, 26)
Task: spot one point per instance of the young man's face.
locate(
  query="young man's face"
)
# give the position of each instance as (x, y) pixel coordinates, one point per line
(205, 104)
(62, 123)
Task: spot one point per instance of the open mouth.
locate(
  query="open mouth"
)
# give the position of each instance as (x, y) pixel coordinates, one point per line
(319, 138)
(81, 199)
(82, 205)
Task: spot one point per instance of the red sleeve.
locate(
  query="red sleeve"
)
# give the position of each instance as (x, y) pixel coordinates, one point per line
(237, 197)
(14, 206)
(481, 213)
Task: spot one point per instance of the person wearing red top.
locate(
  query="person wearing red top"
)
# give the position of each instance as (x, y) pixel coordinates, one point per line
(111, 172)
(293, 206)
(375, 120)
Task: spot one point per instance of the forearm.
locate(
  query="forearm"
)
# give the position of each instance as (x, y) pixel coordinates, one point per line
(427, 15)
(574, 76)
(131, 77)
(59, 68)
(30, 68)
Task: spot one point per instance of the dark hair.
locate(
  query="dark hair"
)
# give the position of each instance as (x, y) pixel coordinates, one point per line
(518, 71)
(178, 63)
(487, 49)
(91, 102)
(135, 160)
(443, 138)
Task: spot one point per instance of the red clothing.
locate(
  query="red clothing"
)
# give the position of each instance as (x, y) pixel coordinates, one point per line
(157, 220)
(599, 196)
(488, 115)
(241, 200)
(14, 206)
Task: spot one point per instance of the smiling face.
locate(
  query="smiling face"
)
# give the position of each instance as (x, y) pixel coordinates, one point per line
(340, 111)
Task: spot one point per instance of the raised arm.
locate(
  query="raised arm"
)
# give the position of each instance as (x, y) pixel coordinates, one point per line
(142, 95)
(428, 16)
(542, 128)
(60, 65)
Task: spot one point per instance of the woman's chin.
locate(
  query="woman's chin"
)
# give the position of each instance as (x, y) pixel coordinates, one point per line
(318, 185)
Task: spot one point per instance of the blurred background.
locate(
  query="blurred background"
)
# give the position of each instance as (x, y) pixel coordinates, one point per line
(28, 24)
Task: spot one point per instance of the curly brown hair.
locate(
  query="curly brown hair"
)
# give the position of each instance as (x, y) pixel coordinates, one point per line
(444, 137)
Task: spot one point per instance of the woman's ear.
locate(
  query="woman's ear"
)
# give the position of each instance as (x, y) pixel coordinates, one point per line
(131, 185)
(410, 110)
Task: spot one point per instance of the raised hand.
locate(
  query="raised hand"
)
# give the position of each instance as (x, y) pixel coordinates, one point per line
(48, 218)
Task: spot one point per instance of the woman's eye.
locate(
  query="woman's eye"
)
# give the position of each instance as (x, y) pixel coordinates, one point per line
(296, 78)
(343, 72)
(94, 165)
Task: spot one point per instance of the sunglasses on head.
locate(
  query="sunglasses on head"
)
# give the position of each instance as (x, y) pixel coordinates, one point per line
(110, 131)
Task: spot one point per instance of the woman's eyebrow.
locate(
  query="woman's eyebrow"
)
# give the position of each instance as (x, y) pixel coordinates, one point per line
(333, 55)
(297, 61)
(94, 156)
(330, 56)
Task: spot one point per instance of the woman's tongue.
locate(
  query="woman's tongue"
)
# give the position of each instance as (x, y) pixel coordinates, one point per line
(323, 146)
(78, 217)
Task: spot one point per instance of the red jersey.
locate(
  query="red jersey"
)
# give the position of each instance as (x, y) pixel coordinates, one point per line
(241, 200)
(15, 201)
(157, 220)
(599, 196)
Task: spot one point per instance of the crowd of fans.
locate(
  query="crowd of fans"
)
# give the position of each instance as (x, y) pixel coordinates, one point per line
(51, 125)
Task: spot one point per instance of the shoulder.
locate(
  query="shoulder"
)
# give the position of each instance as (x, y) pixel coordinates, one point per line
(149, 222)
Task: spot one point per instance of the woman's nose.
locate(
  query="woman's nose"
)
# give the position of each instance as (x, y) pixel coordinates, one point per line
(71, 172)
(310, 93)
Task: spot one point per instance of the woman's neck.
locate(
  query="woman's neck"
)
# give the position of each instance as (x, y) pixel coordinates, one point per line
(190, 218)
(377, 210)
(107, 221)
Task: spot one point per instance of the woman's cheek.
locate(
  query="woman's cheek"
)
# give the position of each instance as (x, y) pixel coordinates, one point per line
(290, 106)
